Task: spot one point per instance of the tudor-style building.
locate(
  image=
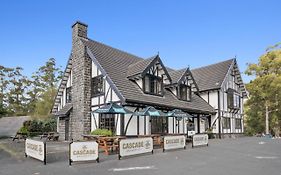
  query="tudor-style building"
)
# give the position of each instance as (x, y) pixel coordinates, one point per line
(97, 74)
(222, 87)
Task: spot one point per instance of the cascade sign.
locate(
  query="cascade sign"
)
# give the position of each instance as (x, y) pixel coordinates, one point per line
(83, 151)
(199, 139)
(35, 149)
(128, 147)
(174, 142)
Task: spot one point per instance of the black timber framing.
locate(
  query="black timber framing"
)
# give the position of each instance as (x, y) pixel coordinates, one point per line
(219, 114)
(110, 82)
(157, 58)
(198, 124)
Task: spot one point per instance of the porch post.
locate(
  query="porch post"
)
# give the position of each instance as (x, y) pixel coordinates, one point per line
(198, 124)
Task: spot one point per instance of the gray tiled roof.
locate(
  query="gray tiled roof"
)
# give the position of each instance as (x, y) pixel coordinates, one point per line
(139, 66)
(211, 76)
(116, 62)
(176, 74)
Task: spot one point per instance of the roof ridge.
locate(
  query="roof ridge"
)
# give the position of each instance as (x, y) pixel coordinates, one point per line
(213, 64)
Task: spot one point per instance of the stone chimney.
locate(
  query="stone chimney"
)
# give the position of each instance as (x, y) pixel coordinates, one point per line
(79, 29)
(81, 84)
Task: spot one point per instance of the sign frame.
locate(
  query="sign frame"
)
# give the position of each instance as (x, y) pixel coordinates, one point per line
(119, 145)
(184, 147)
(69, 153)
(44, 151)
(201, 144)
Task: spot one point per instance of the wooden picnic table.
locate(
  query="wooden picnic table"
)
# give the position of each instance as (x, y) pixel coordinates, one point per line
(50, 136)
(109, 143)
(20, 135)
(91, 137)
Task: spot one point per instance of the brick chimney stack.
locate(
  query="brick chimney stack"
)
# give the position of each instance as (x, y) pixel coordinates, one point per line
(79, 29)
(81, 83)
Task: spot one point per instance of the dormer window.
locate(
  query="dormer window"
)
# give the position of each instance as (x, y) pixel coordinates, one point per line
(153, 85)
(184, 92)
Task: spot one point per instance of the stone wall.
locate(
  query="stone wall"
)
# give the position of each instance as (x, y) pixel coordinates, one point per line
(61, 126)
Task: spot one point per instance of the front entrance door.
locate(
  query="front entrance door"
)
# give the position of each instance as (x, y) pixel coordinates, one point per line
(159, 125)
(66, 128)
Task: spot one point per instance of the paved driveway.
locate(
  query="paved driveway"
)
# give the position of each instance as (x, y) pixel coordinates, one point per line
(10, 125)
(245, 156)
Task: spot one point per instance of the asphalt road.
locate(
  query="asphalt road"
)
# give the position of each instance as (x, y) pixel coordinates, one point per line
(10, 125)
(245, 156)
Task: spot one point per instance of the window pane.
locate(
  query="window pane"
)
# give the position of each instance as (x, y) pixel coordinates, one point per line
(147, 84)
(68, 95)
(97, 85)
(184, 92)
(107, 121)
(152, 84)
(226, 123)
(159, 125)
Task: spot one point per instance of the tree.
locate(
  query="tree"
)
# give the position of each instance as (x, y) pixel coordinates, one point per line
(4, 72)
(43, 88)
(12, 86)
(265, 92)
(16, 95)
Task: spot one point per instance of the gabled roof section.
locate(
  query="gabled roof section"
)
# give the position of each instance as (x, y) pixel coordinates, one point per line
(239, 78)
(141, 68)
(179, 75)
(212, 76)
(176, 75)
(115, 63)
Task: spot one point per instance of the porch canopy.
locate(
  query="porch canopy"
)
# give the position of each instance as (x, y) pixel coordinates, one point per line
(112, 108)
(178, 114)
(150, 111)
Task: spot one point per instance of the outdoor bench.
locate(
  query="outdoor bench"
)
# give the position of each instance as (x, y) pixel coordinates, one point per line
(20, 135)
(50, 136)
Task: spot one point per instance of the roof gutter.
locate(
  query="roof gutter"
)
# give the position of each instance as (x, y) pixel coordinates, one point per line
(169, 107)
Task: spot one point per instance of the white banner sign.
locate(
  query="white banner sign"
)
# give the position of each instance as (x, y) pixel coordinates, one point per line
(35, 149)
(200, 139)
(174, 142)
(84, 151)
(135, 146)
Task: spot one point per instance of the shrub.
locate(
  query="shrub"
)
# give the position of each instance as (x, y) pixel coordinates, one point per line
(24, 130)
(35, 126)
(104, 132)
(49, 125)
(210, 133)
